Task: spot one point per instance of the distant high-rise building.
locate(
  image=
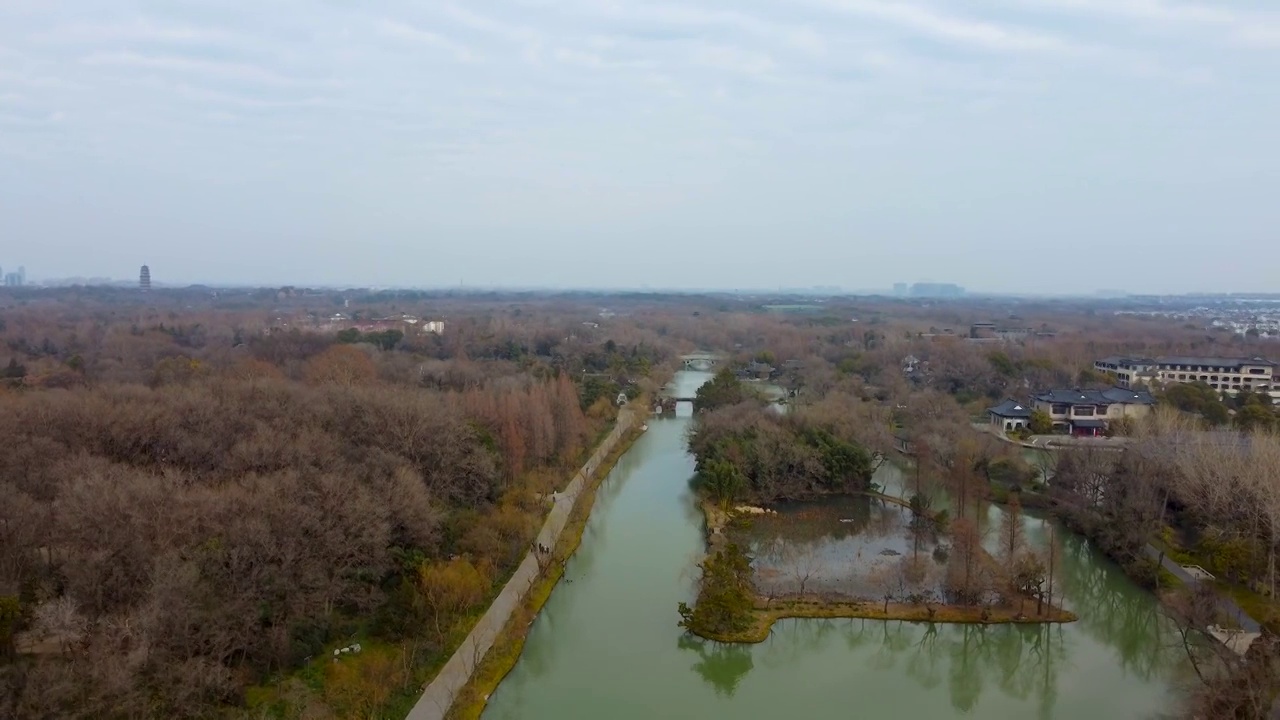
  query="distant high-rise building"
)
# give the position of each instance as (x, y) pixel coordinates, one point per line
(936, 290)
(900, 289)
(14, 279)
(144, 279)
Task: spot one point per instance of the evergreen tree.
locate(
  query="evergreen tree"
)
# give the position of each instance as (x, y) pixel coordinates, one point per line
(724, 595)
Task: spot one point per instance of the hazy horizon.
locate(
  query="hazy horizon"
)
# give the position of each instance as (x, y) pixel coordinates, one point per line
(1008, 146)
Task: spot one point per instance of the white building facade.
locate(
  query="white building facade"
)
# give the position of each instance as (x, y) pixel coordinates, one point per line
(1226, 375)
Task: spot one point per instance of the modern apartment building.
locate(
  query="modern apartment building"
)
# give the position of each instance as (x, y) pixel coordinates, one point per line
(1226, 375)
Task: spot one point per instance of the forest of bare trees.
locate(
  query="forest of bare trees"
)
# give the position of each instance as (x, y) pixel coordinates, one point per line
(1216, 492)
(200, 491)
(188, 517)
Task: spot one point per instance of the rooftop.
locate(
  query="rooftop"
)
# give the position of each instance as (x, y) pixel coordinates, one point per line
(1126, 361)
(1213, 361)
(1011, 409)
(1129, 361)
(1110, 396)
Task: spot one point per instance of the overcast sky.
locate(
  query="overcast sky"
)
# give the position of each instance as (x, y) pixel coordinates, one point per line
(1008, 145)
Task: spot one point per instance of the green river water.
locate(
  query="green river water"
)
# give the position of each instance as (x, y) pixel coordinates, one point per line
(606, 644)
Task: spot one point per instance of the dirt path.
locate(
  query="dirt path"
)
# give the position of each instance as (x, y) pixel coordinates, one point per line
(440, 693)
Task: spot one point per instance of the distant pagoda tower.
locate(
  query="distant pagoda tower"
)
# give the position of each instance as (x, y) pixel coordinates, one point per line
(144, 279)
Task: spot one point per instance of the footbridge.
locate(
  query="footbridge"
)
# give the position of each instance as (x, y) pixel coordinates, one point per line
(667, 403)
(701, 360)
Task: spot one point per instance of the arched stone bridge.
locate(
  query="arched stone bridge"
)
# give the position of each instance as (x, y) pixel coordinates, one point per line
(702, 361)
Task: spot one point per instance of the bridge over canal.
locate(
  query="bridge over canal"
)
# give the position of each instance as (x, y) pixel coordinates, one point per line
(701, 360)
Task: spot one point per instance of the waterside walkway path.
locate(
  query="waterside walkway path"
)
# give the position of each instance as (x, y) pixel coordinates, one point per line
(1227, 605)
(441, 692)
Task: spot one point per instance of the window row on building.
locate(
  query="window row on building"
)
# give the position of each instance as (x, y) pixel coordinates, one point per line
(1226, 375)
(1073, 411)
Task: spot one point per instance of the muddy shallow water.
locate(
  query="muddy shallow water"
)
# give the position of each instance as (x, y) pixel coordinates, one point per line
(841, 546)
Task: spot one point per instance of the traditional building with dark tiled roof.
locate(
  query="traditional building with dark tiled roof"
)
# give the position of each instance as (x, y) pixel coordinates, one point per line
(1010, 415)
(1088, 412)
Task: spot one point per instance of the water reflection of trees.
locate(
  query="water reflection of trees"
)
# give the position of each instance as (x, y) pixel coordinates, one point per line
(722, 666)
(1025, 661)
(894, 638)
(1019, 661)
(1115, 612)
(792, 641)
(1022, 662)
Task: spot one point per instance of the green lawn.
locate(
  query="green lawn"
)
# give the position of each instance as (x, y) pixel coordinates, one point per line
(1259, 607)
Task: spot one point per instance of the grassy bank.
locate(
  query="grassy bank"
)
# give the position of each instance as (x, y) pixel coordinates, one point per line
(1258, 606)
(763, 617)
(504, 654)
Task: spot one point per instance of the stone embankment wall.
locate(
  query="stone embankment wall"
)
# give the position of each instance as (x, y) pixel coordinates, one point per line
(440, 693)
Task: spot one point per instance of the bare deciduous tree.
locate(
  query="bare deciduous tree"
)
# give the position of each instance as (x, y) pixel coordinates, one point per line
(60, 620)
(803, 562)
(888, 579)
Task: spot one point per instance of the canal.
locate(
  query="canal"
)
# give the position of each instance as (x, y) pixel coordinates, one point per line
(606, 644)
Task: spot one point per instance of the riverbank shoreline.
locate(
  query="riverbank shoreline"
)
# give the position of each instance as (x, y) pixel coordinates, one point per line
(767, 611)
(440, 696)
(504, 653)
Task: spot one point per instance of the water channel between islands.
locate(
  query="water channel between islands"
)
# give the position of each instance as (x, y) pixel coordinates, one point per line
(606, 644)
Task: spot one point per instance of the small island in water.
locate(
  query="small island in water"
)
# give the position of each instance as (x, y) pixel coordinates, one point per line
(797, 527)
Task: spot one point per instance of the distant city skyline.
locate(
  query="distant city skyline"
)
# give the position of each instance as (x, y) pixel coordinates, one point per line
(14, 278)
(1003, 145)
(908, 291)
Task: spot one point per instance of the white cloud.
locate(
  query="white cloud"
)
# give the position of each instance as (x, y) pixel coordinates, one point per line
(1240, 25)
(595, 60)
(405, 31)
(215, 97)
(992, 36)
(137, 30)
(179, 64)
(724, 57)
(36, 80)
(27, 120)
(1266, 36)
(777, 29)
(486, 24)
